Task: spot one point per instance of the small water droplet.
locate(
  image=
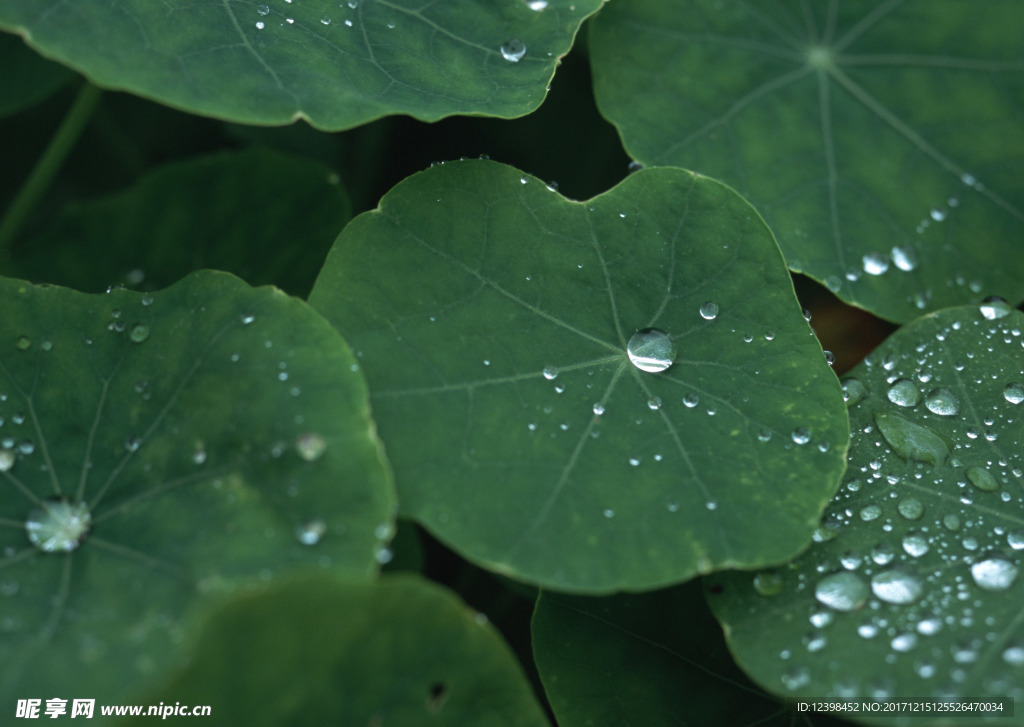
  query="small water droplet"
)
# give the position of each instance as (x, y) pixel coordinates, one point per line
(247, 319)
(875, 263)
(259, 25)
(310, 446)
(325, 20)
(131, 444)
(1014, 655)
(910, 508)
(897, 586)
(147, 300)
(58, 526)
(1015, 539)
(843, 591)
(709, 310)
(654, 403)
(801, 435)
(938, 214)
(309, 533)
(870, 512)
(942, 401)
(139, 333)
(537, 5)
(904, 257)
(262, 9)
(651, 350)
(598, 408)
(764, 435)
(513, 50)
(1014, 393)
(691, 400)
(904, 392)
(995, 573)
(768, 583)
(853, 391)
(550, 372)
(7, 459)
(634, 461)
(383, 556)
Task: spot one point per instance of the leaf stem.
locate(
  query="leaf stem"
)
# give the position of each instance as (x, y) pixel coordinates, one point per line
(48, 165)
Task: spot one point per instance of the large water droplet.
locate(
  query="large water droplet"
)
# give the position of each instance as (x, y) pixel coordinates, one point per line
(904, 392)
(513, 50)
(994, 573)
(58, 526)
(904, 257)
(915, 545)
(982, 479)
(709, 310)
(875, 263)
(843, 591)
(897, 586)
(7, 459)
(910, 508)
(310, 446)
(912, 442)
(942, 401)
(651, 350)
(1014, 393)
(995, 307)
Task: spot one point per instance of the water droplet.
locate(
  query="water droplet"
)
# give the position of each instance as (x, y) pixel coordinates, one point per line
(709, 310)
(897, 586)
(801, 435)
(634, 461)
(139, 333)
(951, 522)
(598, 408)
(764, 435)
(870, 512)
(796, 678)
(309, 533)
(262, 9)
(259, 25)
(651, 350)
(691, 400)
(1014, 655)
(904, 257)
(912, 442)
(537, 5)
(654, 403)
(7, 459)
(383, 556)
(903, 642)
(768, 583)
(310, 446)
(1014, 393)
(995, 573)
(513, 50)
(247, 319)
(904, 392)
(943, 402)
(199, 453)
(995, 307)
(853, 391)
(937, 214)
(609, 513)
(875, 263)
(23, 343)
(58, 526)
(982, 479)
(915, 545)
(910, 508)
(325, 20)
(131, 444)
(843, 591)
(1015, 539)
(550, 372)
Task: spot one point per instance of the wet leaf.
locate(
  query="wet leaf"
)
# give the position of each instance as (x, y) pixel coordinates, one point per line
(402, 651)
(335, 64)
(493, 317)
(912, 588)
(265, 216)
(158, 453)
(881, 141)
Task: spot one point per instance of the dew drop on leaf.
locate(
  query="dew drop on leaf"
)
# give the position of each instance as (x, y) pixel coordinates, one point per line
(910, 508)
(709, 310)
(897, 586)
(903, 392)
(310, 446)
(309, 533)
(139, 333)
(994, 573)
(651, 350)
(1014, 393)
(904, 257)
(875, 263)
(853, 391)
(550, 372)
(513, 50)
(801, 435)
(995, 307)
(768, 583)
(58, 526)
(942, 401)
(842, 591)
(6, 460)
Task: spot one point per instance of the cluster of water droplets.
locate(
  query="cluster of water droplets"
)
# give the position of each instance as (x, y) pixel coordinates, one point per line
(923, 540)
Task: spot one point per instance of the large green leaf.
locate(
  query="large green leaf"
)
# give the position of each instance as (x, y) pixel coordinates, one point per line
(336, 64)
(266, 216)
(649, 659)
(911, 590)
(402, 651)
(215, 436)
(492, 318)
(882, 141)
(27, 78)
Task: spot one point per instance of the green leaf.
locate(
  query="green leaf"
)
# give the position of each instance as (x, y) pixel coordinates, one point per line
(881, 141)
(649, 659)
(492, 317)
(912, 588)
(27, 78)
(207, 435)
(266, 216)
(335, 64)
(402, 651)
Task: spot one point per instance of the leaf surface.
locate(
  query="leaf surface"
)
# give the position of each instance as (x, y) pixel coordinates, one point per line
(335, 64)
(215, 436)
(912, 588)
(881, 141)
(266, 216)
(401, 651)
(492, 317)
(27, 78)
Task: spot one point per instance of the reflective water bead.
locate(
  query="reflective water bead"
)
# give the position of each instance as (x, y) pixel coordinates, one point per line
(915, 545)
(768, 583)
(309, 533)
(904, 257)
(651, 350)
(995, 307)
(709, 310)
(897, 586)
(310, 446)
(994, 573)
(598, 408)
(513, 50)
(903, 392)
(550, 372)
(875, 263)
(910, 508)
(654, 403)
(843, 591)
(1014, 393)
(58, 526)
(853, 390)
(942, 401)
(801, 435)
(7, 460)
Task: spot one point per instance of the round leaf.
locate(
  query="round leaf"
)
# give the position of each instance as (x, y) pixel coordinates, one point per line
(158, 452)
(912, 588)
(493, 316)
(402, 651)
(881, 141)
(335, 64)
(28, 78)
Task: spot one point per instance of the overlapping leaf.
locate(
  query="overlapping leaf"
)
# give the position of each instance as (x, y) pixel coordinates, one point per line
(157, 452)
(265, 216)
(402, 651)
(881, 141)
(912, 590)
(492, 317)
(337, 64)
(27, 78)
